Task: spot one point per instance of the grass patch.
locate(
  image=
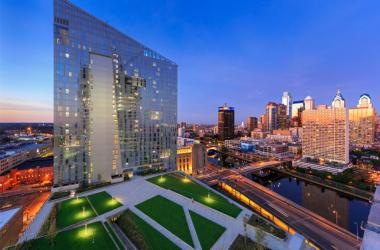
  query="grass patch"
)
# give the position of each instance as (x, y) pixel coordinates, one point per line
(168, 214)
(208, 231)
(103, 202)
(143, 235)
(113, 235)
(190, 189)
(95, 237)
(71, 212)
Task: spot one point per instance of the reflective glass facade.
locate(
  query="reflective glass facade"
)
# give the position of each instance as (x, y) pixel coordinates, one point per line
(115, 101)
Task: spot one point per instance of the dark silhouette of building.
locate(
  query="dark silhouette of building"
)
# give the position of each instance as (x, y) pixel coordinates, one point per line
(251, 123)
(226, 122)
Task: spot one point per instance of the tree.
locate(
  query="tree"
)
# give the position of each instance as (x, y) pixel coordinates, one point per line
(52, 231)
(260, 237)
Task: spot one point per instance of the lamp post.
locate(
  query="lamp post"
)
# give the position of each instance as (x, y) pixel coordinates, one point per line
(357, 230)
(85, 229)
(336, 216)
(83, 214)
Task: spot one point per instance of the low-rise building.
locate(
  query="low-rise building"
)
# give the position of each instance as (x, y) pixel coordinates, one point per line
(192, 159)
(34, 171)
(278, 151)
(12, 157)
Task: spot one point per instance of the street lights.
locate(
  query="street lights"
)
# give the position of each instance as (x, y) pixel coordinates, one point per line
(83, 215)
(336, 216)
(357, 230)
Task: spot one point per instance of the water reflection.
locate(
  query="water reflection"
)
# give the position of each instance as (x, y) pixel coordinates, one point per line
(336, 207)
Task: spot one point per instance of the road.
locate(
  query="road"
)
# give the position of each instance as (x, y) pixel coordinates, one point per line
(317, 229)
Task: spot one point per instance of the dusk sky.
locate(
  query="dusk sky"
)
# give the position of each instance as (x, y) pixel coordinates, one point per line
(245, 53)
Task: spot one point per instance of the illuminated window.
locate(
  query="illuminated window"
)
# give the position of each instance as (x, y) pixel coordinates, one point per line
(67, 91)
(67, 55)
(70, 74)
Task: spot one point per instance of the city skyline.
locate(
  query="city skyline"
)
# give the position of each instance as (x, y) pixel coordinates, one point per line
(314, 53)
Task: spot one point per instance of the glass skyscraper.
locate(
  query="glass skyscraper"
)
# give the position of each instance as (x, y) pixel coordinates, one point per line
(115, 101)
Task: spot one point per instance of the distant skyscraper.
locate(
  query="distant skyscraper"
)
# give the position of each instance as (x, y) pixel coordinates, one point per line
(339, 101)
(251, 123)
(282, 117)
(325, 132)
(226, 122)
(271, 116)
(309, 103)
(287, 100)
(115, 101)
(296, 106)
(363, 122)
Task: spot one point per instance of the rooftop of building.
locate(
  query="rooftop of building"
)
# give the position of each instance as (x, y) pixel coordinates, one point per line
(7, 215)
(36, 162)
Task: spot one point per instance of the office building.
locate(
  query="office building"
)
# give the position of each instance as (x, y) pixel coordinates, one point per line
(287, 101)
(282, 117)
(362, 122)
(297, 105)
(325, 132)
(309, 103)
(226, 122)
(251, 123)
(192, 158)
(115, 101)
(271, 116)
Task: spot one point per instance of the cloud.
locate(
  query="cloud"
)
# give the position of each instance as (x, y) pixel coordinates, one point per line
(25, 111)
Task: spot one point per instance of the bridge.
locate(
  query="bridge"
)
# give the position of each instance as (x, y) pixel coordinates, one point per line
(256, 166)
(284, 213)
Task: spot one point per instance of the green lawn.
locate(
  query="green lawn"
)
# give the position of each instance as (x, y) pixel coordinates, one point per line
(103, 202)
(113, 235)
(169, 214)
(208, 232)
(71, 212)
(190, 189)
(143, 235)
(95, 237)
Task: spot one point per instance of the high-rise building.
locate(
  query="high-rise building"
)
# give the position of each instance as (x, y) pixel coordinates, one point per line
(362, 122)
(271, 116)
(251, 123)
(309, 103)
(325, 132)
(287, 101)
(297, 105)
(226, 122)
(282, 117)
(339, 101)
(115, 101)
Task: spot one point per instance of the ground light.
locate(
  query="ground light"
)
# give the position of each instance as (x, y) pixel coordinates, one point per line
(112, 202)
(87, 232)
(161, 179)
(208, 199)
(186, 180)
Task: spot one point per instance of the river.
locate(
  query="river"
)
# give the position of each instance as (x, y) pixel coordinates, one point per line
(339, 208)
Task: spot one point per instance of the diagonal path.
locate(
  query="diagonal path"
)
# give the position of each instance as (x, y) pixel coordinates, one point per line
(193, 232)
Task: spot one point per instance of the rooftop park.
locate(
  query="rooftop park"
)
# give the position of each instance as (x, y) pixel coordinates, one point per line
(143, 235)
(208, 232)
(168, 214)
(92, 236)
(103, 202)
(186, 187)
(73, 211)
